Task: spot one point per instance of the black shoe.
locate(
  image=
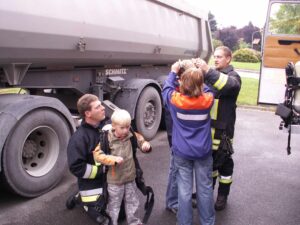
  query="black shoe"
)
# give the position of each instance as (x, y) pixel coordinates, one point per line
(71, 202)
(221, 202)
(101, 220)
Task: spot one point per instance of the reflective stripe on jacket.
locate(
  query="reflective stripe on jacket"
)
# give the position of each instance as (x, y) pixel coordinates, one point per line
(226, 85)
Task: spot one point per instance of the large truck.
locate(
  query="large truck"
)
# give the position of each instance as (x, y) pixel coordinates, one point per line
(52, 52)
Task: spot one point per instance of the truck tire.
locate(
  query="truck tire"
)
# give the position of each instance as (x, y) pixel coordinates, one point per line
(34, 155)
(148, 112)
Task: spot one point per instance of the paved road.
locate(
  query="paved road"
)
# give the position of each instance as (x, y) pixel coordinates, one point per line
(266, 188)
(248, 74)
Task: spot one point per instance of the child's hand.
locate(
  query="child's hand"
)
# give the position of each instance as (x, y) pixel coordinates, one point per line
(146, 147)
(119, 159)
(97, 149)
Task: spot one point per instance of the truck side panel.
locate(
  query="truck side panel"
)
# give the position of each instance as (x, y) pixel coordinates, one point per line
(140, 32)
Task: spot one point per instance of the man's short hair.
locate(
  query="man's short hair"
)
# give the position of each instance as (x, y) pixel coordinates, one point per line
(84, 103)
(121, 117)
(226, 50)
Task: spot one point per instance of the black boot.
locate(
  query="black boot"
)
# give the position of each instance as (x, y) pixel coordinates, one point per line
(72, 201)
(221, 202)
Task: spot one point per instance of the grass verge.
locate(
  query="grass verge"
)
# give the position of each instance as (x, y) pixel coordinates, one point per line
(246, 66)
(249, 92)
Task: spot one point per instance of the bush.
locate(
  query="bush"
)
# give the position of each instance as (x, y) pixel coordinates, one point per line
(241, 44)
(246, 55)
(216, 43)
(257, 53)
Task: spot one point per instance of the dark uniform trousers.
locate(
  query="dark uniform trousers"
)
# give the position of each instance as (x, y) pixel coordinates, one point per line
(224, 173)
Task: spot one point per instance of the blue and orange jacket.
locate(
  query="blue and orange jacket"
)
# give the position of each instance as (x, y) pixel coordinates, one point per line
(191, 135)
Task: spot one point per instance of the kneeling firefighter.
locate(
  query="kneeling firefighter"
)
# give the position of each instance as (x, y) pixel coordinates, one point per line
(90, 176)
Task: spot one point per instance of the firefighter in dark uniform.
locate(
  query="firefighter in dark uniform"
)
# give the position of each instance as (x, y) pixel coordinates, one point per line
(226, 84)
(80, 156)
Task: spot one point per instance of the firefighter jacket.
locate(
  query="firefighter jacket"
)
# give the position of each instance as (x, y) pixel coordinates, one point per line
(191, 134)
(82, 164)
(226, 84)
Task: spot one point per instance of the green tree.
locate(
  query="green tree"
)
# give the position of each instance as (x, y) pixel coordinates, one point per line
(247, 31)
(286, 19)
(217, 43)
(248, 34)
(212, 23)
(228, 36)
(242, 44)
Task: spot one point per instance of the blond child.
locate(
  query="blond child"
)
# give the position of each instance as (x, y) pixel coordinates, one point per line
(122, 172)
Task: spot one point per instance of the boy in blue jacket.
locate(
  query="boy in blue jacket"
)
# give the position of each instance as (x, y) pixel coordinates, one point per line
(191, 142)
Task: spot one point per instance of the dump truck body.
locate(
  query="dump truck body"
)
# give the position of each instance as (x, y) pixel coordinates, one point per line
(99, 33)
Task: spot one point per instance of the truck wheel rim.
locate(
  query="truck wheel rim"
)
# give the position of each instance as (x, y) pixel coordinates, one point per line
(149, 115)
(40, 151)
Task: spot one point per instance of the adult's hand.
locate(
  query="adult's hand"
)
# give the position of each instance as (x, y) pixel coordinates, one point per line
(175, 67)
(201, 64)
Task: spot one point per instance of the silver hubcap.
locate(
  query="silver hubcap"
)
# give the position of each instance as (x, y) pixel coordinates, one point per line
(40, 151)
(149, 115)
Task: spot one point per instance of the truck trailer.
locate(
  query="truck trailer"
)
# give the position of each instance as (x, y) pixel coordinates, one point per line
(55, 51)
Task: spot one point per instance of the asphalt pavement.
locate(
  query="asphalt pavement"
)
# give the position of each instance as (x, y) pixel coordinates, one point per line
(248, 73)
(265, 190)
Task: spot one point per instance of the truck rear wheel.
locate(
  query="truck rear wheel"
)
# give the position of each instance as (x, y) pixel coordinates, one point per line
(148, 112)
(34, 156)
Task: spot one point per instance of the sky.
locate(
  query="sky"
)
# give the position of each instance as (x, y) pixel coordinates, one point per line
(236, 13)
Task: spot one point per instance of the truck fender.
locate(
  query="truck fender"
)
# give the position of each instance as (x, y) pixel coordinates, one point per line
(18, 112)
(13, 107)
(134, 91)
